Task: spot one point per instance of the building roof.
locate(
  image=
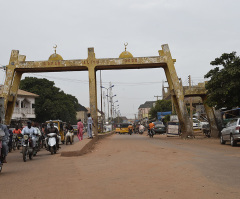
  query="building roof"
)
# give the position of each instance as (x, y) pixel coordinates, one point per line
(21, 92)
(82, 108)
(147, 104)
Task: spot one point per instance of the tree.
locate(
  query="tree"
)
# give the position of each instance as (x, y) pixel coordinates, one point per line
(223, 87)
(161, 106)
(52, 103)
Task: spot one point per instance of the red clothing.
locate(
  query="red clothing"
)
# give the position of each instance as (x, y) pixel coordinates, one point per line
(80, 130)
(17, 131)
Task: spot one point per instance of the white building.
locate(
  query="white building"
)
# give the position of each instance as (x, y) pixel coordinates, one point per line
(23, 109)
(24, 106)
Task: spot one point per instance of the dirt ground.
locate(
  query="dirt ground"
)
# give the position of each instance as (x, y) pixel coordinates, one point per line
(124, 166)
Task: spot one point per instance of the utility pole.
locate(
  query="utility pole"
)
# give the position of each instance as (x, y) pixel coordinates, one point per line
(191, 108)
(101, 101)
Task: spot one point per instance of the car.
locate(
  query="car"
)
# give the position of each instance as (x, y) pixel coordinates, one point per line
(159, 128)
(231, 132)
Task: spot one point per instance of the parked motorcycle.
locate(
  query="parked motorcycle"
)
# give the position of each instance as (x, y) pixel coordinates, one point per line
(27, 147)
(69, 137)
(52, 143)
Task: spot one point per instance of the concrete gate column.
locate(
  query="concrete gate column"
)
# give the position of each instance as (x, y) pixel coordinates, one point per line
(211, 118)
(176, 92)
(93, 88)
(11, 84)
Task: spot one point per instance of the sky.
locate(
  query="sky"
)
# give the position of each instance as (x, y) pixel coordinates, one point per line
(197, 32)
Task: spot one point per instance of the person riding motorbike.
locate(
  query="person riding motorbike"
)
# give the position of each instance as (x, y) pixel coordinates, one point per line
(130, 129)
(5, 140)
(32, 132)
(53, 129)
(141, 128)
(151, 126)
(17, 131)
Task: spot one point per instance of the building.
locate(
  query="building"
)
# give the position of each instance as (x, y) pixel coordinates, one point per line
(24, 106)
(82, 114)
(143, 110)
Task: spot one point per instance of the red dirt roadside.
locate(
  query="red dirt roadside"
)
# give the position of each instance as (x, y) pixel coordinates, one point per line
(124, 166)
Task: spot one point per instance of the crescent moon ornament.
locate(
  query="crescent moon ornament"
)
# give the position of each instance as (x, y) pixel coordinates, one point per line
(55, 48)
(125, 44)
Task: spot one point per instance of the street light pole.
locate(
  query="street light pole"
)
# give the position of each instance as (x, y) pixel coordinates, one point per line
(107, 98)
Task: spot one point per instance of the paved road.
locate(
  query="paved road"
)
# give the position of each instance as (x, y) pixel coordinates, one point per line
(124, 166)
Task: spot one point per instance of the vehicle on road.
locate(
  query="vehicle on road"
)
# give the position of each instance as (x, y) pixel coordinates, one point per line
(59, 125)
(122, 128)
(27, 147)
(150, 133)
(52, 143)
(159, 128)
(75, 129)
(69, 137)
(231, 132)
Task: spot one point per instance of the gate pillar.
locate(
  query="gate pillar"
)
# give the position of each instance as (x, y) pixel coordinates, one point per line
(93, 88)
(211, 118)
(176, 92)
(11, 84)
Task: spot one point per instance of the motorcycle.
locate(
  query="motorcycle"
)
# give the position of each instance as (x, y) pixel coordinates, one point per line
(69, 137)
(141, 131)
(150, 133)
(130, 131)
(27, 147)
(52, 143)
(14, 142)
(10, 143)
(19, 141)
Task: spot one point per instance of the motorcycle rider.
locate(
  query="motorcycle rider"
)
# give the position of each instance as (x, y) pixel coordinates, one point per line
(141, 128)
(17, 130)
(53, 129)
(5, 140)
(32, 132)
(151, 126)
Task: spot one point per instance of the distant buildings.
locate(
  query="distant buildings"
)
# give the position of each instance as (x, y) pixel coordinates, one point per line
(143, 110)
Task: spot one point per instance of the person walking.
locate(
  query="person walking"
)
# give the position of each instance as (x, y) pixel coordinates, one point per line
(90, 124)
(80, 130)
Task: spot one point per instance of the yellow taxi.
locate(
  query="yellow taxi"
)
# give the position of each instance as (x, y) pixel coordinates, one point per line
(122, 128)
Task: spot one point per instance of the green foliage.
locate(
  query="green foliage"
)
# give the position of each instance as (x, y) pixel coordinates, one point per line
(223, 87)
(161, 106)
(52, 103)
(166, 119)
(118, 120)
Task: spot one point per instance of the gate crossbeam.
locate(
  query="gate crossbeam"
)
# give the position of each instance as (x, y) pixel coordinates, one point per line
(17, 66)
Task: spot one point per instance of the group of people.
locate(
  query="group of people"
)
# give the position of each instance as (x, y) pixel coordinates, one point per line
(89, 128)
(34, 132)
